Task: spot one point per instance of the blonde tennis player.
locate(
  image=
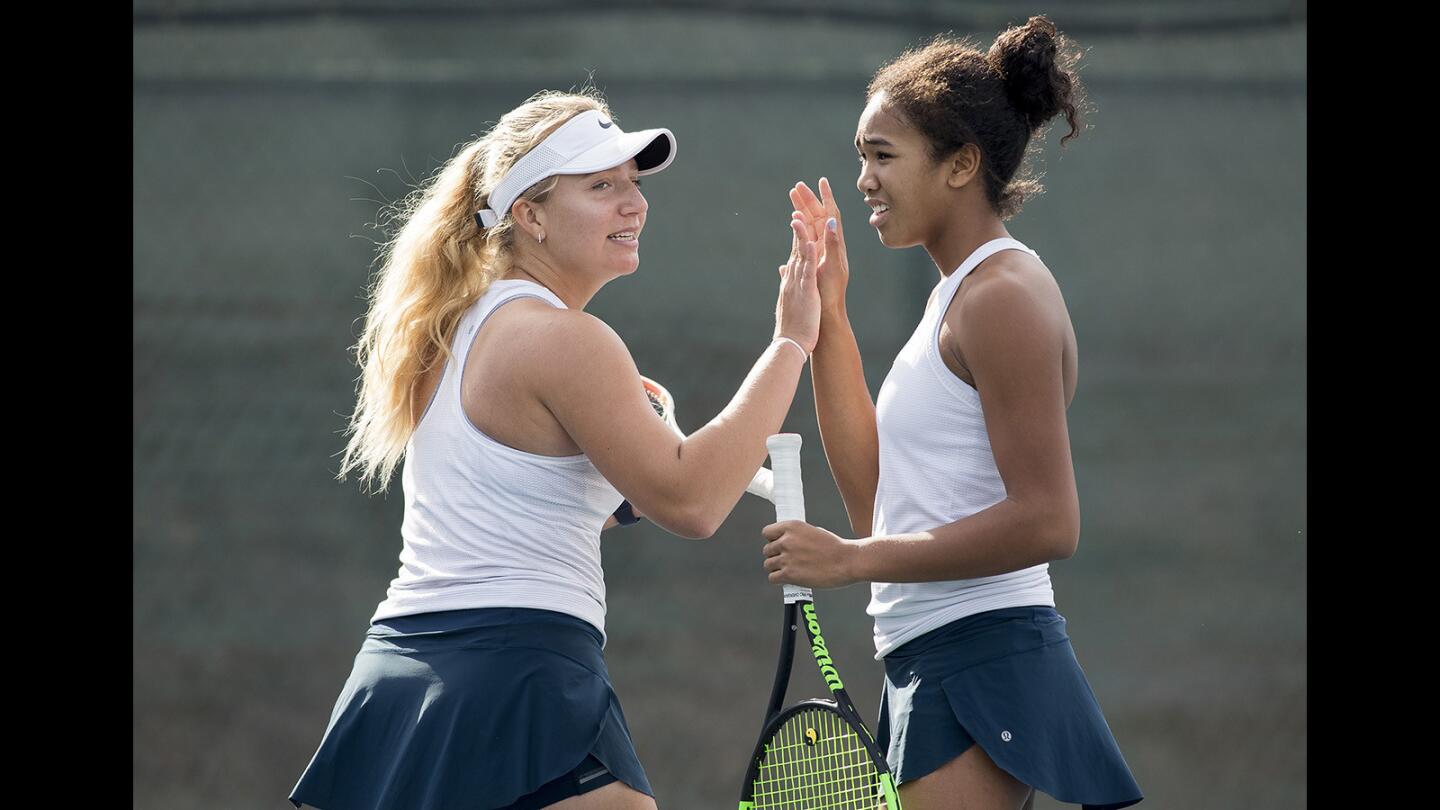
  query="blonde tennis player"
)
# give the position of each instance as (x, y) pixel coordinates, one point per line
(523, 427)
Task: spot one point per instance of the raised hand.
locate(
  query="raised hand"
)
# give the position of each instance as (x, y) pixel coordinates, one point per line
(815, 213)
(797, 309)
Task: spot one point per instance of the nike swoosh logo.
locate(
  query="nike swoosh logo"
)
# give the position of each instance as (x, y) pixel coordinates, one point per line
(604, 124)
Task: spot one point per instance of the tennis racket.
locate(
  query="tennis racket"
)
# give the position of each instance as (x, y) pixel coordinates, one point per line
(664, 404)
(817, 754)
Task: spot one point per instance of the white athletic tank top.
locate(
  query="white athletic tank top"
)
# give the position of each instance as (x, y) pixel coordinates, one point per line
(936, 468)
(487, 525)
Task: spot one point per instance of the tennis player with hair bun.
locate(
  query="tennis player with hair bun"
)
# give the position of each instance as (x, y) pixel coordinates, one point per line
(958, 477)
(524, 429)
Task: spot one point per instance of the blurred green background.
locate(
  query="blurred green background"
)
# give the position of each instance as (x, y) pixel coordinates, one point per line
(268, 133)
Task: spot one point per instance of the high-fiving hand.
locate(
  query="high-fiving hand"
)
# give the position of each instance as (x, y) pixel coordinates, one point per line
(797, 309)
(814, 213)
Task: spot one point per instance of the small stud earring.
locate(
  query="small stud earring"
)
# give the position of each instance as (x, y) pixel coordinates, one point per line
(540, 239)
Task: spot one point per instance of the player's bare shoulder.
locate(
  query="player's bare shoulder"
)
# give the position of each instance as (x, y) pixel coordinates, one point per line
(1010, 278)
(539, 336)
(530, 358)
(1015, 295)
(528, 348)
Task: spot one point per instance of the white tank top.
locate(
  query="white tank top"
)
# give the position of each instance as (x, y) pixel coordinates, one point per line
(487, 525)
(936, 468)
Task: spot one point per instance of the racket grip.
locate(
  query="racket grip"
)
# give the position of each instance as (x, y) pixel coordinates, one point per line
(763, 484)
(789, 492)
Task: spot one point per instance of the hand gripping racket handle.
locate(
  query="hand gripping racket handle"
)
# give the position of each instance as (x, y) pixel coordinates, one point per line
(789, 493)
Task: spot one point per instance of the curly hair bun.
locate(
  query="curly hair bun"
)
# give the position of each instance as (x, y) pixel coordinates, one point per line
(1036, 64)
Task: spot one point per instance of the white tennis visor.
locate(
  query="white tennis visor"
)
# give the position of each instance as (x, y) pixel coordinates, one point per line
(587, 143)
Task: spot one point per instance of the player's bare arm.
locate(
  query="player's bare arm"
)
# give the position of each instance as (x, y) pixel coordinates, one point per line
(843, 407)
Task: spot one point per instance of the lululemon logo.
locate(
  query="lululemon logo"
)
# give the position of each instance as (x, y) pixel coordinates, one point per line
(1005, 735)
(604, 124)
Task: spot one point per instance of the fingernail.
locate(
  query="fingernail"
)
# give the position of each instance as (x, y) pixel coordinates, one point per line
(830, 223)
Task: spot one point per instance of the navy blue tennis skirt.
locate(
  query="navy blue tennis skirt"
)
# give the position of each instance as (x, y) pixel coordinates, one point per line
(1007, 679)
(468, 709)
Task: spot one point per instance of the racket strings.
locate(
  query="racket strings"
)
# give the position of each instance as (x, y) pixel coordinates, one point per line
(656, 402)
(817, 761)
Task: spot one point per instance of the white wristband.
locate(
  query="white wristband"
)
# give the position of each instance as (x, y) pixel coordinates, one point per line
(794, 343)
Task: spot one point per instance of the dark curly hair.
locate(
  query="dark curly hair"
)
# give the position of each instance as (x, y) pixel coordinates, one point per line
(998, 100)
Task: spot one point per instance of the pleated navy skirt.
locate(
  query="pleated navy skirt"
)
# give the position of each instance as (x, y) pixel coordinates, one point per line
(1008, 680)
(468, 709)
